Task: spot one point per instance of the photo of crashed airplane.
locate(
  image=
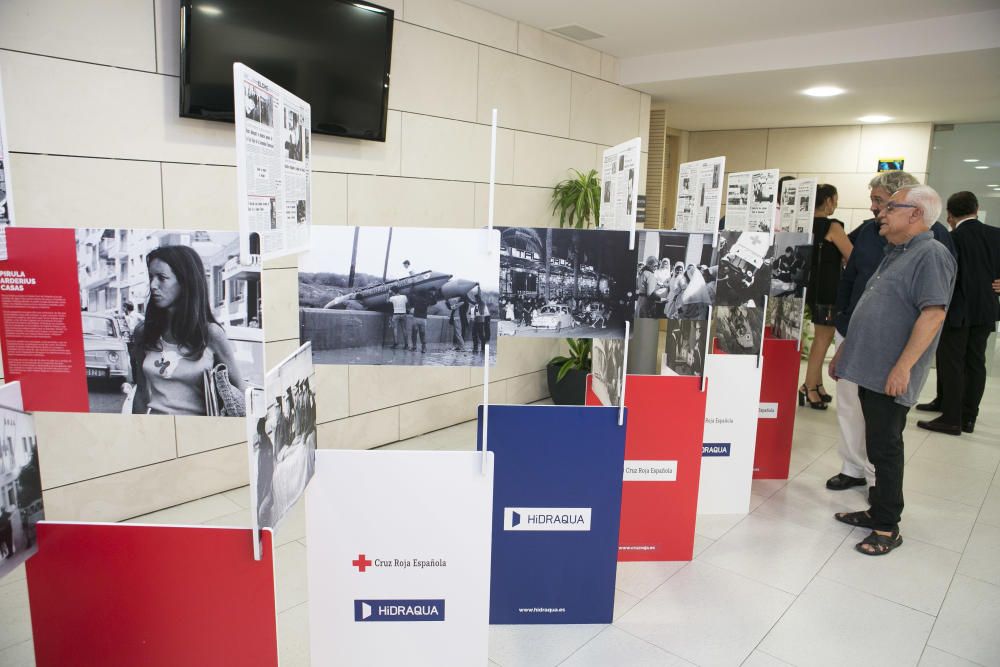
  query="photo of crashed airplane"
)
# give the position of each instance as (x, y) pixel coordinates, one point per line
(400, 295)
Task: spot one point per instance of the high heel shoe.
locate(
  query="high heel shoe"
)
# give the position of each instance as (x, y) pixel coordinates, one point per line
(804, 398)
(825, 397)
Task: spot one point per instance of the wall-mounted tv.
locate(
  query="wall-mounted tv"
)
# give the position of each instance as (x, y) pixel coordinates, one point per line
(334, 54)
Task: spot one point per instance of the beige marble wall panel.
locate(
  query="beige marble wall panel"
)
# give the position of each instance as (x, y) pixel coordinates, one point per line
(817, 149)
(409, 202)
(602, 112)
(527, 94)
(354, 156)
(56, 191)
(329, 198)
(198, 196)
(544, 161)
(609, 68)
(910, 141)
(454, 150)
(462, 20)
(331, 383)
(168, 36)
(515, 205)
(549, 48)
(517, 356)
(433, 73)
(133, 492)
(852, 189)
(110, 32)
(279, 292)
(76, 446)
(201, 434)
(276, 351)
(528, 388)
(52, 106)
(364, 431)
(376, 387)
(444, 410)
(744, 149)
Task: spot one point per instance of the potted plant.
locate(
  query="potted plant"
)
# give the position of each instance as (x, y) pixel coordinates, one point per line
(577, 201)
(567, 374)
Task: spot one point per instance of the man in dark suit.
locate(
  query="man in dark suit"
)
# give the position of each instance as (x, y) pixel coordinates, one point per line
(972, 316)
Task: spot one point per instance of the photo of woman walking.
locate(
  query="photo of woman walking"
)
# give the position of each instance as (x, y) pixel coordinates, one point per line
(180, 340)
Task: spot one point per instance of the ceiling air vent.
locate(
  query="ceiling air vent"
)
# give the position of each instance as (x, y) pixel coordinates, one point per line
(576, 32)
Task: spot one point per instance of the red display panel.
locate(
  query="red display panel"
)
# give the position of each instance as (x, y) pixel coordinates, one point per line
(40, 325)
(776, 423)
(666, 422)
(110, 595)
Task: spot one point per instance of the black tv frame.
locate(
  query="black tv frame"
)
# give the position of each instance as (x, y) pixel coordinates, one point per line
(185, 12)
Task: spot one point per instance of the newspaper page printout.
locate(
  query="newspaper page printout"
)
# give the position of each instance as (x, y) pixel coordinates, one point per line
(273, 145)
(699, 195)
(6, 198)
(620, 185)
(798, 202)
(751, 200)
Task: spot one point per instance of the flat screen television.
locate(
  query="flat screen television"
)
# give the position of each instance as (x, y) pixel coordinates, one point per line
(333, 54)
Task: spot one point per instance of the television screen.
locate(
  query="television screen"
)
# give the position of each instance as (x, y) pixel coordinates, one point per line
(332, 53)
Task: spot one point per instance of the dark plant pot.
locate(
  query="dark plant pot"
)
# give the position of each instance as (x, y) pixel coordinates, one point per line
(571, 390)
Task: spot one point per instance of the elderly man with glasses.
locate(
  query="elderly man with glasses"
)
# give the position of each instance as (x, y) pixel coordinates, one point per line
(889, 346)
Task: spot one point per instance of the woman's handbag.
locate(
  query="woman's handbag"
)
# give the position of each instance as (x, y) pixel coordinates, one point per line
(222, 399)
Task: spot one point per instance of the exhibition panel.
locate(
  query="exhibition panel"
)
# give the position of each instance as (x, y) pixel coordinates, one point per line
(399, 558)
(662, 467)
(129, 594)
(21, 506)
(556, 507)
(699, 195)
(776, 420)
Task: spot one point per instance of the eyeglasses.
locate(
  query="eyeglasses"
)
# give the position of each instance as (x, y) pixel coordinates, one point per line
(892, 206)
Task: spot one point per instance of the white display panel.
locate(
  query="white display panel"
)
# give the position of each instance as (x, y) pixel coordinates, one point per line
(399, 558)
(620, 185)
(730, 433)
(699, 195)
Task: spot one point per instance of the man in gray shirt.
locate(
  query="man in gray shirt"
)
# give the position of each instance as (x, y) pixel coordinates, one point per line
(889, 346)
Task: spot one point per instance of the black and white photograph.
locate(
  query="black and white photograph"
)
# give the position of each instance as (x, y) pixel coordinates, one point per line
(293, 136)
(20, 482)
(608, 358)
(258, 105)
(784, 316)
(171, 321)
(677, 277)
(567, 283)
(765, 185)
(792, 254)
(283, 438)
(738, 329)
(401, 295)
(685, 347)
(738, 192)
(744, 272)
(4, 209)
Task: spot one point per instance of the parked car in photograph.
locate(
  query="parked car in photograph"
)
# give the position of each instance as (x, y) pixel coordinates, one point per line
(553, 316)
(105, 349)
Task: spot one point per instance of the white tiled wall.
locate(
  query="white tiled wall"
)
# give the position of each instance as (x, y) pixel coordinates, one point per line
(92, 98)
(845, 156)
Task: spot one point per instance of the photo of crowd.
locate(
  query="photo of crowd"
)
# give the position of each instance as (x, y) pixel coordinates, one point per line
(677, 279)
(565, 282)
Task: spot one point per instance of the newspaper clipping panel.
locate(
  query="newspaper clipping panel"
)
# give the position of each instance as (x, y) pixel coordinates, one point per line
(751, 200)
(798, 202)
(620, 185)
(699, 195)
(6, 199)
(273, 164)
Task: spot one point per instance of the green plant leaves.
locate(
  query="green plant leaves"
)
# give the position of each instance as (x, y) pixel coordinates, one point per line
(577, 200)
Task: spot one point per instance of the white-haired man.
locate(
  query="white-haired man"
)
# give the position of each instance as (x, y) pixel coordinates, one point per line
(889, 346)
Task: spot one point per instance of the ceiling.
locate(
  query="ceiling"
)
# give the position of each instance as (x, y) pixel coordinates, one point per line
(732, 64)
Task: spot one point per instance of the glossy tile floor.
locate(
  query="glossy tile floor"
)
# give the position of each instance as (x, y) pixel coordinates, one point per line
(781, 585)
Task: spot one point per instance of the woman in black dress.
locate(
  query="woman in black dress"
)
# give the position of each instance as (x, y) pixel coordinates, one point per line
(831, 248)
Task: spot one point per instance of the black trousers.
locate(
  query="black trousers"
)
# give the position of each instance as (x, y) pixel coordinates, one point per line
(884, 423)
(961, 367)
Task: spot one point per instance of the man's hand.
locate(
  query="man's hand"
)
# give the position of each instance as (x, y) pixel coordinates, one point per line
(898, 381)
(832, 368)
(996, 285)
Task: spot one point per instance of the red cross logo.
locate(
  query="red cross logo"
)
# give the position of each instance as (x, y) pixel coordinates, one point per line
(361, 563)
